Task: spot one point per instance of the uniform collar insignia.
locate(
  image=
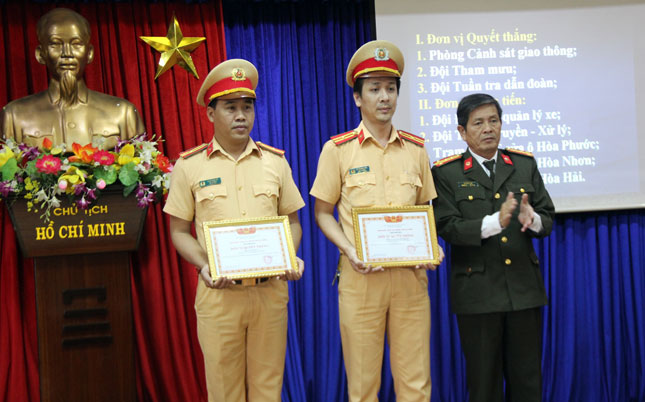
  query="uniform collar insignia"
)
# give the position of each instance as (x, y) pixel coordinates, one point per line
(361, 137)
(507, 159)
(468, 163)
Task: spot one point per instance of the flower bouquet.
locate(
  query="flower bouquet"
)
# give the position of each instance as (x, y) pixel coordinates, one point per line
(44, 176)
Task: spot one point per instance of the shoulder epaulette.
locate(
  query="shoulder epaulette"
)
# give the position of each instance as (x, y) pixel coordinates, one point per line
(412, 138)
(193, 151)
(448, 159)
(519, 151)
(276, 151)
(344, 137)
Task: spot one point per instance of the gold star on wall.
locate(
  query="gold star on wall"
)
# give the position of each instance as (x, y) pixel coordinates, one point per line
(174, 48)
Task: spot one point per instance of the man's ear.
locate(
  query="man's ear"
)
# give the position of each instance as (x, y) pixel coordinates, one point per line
(210, 113)
(39, 54)
(462, 132)
(357, 99)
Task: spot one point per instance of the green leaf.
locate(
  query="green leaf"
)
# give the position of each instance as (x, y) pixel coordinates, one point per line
(149, 178)
(31, 169)
(107, 174)
(9, 170)
(128, 176)
(129, 189)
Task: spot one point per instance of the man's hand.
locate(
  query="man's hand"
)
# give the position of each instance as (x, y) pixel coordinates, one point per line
(506, 210)
(526, 215)
(220, 283)
(358, 265)
(430, 266)
(293, 275)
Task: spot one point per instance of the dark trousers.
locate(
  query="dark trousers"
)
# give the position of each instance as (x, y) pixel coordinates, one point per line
(500, 346)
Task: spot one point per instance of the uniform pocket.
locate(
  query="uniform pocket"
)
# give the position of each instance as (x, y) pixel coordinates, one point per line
(521, 188)
(470, 194)
(212, 201)
(409, 186)
(266, 196)
(468, 270)
(210, 193)
(360, 189)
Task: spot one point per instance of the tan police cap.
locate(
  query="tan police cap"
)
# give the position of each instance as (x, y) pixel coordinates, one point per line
(378, 58)
(235, 78)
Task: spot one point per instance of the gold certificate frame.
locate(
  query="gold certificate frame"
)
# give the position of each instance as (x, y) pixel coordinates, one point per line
(396, 236)
(249, 248)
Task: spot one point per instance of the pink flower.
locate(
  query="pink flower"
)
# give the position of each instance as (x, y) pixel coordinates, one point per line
(100, 184)
(48, 164)
(62, 185)
(103, 157)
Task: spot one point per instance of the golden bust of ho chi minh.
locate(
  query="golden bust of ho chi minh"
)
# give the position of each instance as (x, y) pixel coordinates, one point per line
(68, 111)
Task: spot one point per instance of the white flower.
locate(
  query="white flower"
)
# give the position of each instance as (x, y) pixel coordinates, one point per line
(54, 202)
(157, 182)
(41, 196)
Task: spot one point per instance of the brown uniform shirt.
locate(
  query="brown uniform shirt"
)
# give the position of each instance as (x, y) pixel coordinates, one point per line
(360, 173)
(211, 185)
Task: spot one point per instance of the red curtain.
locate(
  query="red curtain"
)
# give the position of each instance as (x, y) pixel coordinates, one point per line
(169, 360)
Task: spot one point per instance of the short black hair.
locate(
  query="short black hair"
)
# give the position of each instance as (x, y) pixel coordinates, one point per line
(472, 102)
(358, 85)
(213, 102)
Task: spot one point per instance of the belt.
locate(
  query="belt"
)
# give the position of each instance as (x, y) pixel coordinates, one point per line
(250, 281)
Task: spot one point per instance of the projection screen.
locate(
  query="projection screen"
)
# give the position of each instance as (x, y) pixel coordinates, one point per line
(568, 75)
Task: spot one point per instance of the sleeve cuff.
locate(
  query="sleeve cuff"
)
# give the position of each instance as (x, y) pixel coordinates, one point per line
(490, 226)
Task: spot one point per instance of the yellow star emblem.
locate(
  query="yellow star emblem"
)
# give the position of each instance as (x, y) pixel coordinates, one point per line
(174, 48)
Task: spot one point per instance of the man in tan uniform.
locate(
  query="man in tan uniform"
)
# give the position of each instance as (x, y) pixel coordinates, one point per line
(242, 325)
(68, 111)
(377, 165)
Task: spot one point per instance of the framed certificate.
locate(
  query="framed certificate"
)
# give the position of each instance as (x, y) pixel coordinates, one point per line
(249, 248)
(396, 236)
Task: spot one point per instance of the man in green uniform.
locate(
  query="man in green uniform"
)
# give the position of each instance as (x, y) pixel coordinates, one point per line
(490, 204)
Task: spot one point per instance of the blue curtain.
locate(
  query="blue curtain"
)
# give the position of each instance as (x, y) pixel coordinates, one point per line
(301, 50)
(593, 263)
(594, 326)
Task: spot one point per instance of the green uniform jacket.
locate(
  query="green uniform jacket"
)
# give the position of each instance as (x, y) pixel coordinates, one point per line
(500, 273)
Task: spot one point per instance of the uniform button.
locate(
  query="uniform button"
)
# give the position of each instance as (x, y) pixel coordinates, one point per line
(71, 124)
(522, 190)
(240, 188)
(389, 203)
(211, 196)
(470, 197)
(497, 196)
(504, 239)
(387, 177)
(469, 270)
(243, 213)
(508, 261)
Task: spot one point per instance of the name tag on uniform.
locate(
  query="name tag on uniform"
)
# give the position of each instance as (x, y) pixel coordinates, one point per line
(210, 182)
(468, 184)
(357, 170)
